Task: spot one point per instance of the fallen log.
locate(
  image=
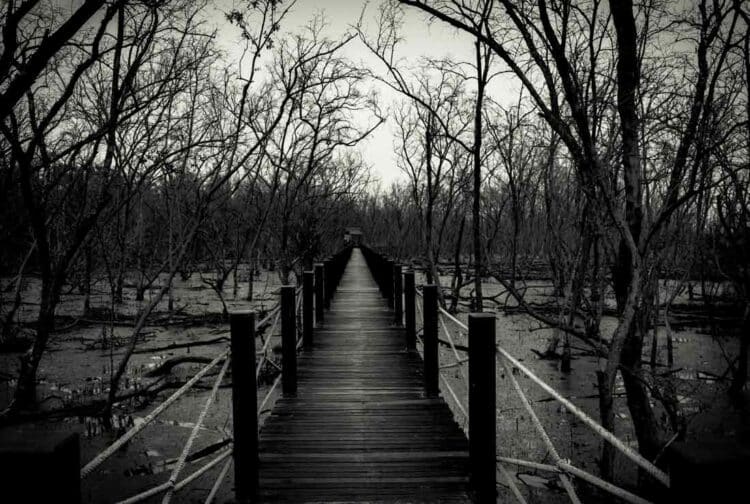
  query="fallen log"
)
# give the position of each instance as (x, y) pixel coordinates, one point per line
(175, 346)
(166, 366)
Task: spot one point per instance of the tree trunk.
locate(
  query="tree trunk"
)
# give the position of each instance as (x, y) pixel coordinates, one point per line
(17, 298)
(250, 278)
(645, 423)
(87, 282)
(565, 366)
(458, 277)
(170, 299)
(655, 323)
(477, 189)
(140, 290)
(120, 283)
(140, 323)
(740, 375)
(607, 418)
(627, 341)
(25, 395)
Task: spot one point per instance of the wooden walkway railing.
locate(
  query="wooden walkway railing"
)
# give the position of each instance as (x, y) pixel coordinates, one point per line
(361, 417)
(359, 425)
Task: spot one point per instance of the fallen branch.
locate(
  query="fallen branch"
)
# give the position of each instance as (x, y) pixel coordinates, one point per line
(166, 366)
(175, 346)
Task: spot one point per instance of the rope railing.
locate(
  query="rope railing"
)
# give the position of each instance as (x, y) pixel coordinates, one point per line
(264, 349)
(172, 484)
(333, 271)
(194, 434)
(181, 484)
(447, 384)
(276, 312)
(218, 482)
(512, 484)
(127, 436)
(563, 468)
(463, 409)
(119, 442)
(636, 457)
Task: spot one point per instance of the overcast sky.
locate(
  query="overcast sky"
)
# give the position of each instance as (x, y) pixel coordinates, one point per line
(421, 39)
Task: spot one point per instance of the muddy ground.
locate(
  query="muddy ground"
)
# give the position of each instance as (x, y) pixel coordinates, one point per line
(82, 353)
(700, 359)
(77, 367)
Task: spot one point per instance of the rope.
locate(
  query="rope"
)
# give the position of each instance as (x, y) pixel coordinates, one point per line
(604, 485)
(197, 474)
(453, 347)
(277, 312)
(575, 411)
(171, 486)
(455, 364)
(455, 397)
(542, 433)
(529, 464)
(593, 424)
(179, 486)
(265, 346)
(104, 455)
(512, 484)
(452, 318)
(268, 316)
(268, 394)
(194, 434)
(218, 482)
(580, 473)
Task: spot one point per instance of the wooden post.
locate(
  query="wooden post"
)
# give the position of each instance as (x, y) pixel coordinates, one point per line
(708, 470)
(288, 341)
(244, 406)
(380, 275)
(307, 309)
(430, 340)
(410, 310)
(482, 442)
(40, 466)
(388, 278)
(319, 293)
(398, 300)
(327, 282)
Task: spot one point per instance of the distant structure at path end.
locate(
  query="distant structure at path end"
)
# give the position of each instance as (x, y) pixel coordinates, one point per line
(353, 235)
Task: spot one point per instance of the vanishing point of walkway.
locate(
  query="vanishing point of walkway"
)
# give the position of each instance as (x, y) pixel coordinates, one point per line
(360, 427)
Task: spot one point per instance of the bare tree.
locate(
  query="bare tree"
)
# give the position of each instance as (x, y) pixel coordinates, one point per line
(560, 69)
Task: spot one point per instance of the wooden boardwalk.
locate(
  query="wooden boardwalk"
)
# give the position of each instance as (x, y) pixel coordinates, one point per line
(360, 427)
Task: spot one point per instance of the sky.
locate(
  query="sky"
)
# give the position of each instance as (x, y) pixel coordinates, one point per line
(422, 39)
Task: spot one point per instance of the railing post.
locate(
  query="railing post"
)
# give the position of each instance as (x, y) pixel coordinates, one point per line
(327, 282)
(319, 293)
(244, 405)
(398, 300)
(482, 441)
(708, 470)
(40, 466)
(307, 309)
(388, 277)
(288, 341)
(410, 310)
(430, 340)
(380, 276)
